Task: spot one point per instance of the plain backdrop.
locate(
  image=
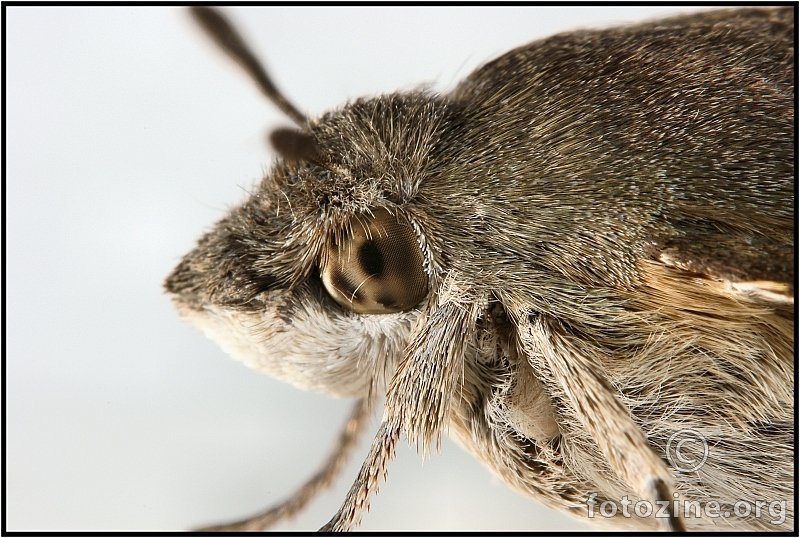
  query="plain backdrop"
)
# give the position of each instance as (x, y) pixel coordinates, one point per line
(127, 136)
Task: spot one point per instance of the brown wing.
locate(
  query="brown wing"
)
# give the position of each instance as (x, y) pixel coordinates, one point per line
(750, 264)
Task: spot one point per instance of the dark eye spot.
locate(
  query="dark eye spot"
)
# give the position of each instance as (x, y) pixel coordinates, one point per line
(370, 259)
(387, 300)
(376, 266)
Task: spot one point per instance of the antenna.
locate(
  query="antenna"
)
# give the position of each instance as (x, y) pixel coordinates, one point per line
(228, 39)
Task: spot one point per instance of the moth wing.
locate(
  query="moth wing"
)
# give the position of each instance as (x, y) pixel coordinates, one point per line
(752, 266)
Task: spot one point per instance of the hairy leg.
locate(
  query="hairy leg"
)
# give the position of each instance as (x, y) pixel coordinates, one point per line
(348, 439)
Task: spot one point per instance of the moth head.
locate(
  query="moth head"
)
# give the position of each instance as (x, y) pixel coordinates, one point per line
(318, 277)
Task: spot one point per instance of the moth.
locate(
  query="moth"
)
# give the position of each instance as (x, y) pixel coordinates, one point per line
(579, 263)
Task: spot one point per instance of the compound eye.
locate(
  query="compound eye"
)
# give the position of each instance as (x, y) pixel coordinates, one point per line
(378, 266)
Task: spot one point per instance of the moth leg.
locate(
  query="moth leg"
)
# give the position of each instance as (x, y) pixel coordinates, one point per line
(419, 396)
(621, 441)
(348, 440)
(374, 469)
(662, 492)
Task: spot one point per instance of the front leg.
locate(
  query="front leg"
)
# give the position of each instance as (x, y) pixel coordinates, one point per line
(420, 395)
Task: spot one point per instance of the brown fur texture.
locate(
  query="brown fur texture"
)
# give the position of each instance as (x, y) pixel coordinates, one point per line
(606, 219)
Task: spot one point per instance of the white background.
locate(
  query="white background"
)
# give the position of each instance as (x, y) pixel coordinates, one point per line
(127, 136)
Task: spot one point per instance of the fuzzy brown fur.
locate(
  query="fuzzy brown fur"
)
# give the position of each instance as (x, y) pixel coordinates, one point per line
(606, 222)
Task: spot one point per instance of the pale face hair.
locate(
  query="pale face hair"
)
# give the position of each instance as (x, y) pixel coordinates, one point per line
(318, 349)
(583, 250)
